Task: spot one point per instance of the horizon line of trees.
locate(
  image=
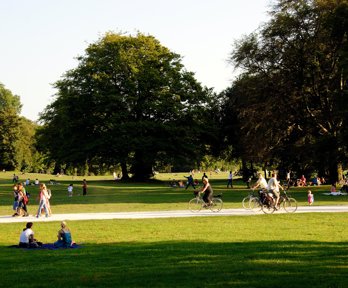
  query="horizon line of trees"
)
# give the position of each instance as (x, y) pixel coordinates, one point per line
(131, 105)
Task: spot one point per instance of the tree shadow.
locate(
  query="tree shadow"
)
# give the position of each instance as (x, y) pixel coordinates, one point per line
(181, 264)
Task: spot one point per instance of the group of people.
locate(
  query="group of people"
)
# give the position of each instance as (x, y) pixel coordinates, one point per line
(273, 186)
(21, 200)
(27, 239)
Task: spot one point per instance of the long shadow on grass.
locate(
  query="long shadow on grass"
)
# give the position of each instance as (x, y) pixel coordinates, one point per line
(180, 264)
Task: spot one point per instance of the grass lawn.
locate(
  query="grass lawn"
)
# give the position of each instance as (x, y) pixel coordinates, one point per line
(283, 250)
(104, 195)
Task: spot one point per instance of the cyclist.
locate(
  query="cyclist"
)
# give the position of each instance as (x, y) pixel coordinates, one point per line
(207, 190)
(261, 182)
(273, 187)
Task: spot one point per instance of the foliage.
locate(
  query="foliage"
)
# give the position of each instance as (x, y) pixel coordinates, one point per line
(17, 143)
(9, 128)
(129, 102)
(290, 101)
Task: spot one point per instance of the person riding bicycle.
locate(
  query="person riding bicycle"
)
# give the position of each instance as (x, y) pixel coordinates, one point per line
(261, 182)
(207, 190)
(273, 187)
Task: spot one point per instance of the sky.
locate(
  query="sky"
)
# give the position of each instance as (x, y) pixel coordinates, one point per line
(40, 39)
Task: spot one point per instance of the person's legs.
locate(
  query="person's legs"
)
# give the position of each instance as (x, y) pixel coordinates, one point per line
(277, 196)
(59, 244)
(42, 205)
(23, 245)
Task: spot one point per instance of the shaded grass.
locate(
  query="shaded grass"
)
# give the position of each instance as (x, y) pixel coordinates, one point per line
(258, 251)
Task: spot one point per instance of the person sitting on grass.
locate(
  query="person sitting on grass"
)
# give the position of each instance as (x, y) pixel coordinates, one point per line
(26, 239)
(64, 236)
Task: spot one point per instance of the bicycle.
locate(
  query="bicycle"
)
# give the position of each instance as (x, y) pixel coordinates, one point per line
(267, 203)
(196, 204)
(246, 200)
(289, 203)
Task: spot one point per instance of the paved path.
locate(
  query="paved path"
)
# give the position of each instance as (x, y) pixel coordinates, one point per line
(164, 214)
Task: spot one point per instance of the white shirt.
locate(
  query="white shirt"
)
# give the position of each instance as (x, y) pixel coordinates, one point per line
(273, 184)
(230, 176)
(262, 183)
(24, 238)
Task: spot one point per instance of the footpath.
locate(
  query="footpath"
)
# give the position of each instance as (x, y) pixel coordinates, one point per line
(165, 214)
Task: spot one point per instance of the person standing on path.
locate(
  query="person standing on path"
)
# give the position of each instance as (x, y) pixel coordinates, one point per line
(84, 187)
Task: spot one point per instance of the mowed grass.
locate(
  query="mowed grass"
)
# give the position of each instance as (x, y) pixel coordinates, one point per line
(106, 195)
(297, 250)
(280, 250)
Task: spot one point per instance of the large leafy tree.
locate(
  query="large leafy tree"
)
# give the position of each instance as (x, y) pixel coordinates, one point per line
(295, 69)
(17, 136)
(9, 128)
(129, 101)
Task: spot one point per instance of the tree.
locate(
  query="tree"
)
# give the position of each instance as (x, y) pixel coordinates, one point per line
(294, 83)
(9, 127)
(129, 101)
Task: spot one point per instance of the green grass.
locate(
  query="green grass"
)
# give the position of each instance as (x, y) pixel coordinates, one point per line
(280, 250)
(107, 196)
(258, 251)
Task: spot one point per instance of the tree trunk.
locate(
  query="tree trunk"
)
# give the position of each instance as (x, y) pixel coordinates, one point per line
(142, 167)
(336, 172)
(125, 175)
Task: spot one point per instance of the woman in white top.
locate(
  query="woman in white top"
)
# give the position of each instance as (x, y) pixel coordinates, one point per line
(26, 239)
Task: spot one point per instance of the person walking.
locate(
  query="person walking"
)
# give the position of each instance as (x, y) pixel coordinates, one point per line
(310, 197)
(84, 187)
(229, 179)
(43, 201)
(70, 190)
(190, 182)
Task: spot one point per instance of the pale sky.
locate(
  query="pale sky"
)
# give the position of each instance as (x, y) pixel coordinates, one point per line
(40, 39)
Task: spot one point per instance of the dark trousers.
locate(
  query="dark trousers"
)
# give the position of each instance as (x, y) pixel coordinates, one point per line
(207, 197)
(192, 184)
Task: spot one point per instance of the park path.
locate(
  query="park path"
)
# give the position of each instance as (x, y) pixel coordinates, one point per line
(164, 214)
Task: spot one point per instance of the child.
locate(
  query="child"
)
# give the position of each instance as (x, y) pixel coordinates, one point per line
(70, 190)
(310, 198)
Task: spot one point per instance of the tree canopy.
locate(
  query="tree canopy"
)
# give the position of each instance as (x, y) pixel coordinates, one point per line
(129, 101)
(290, 100)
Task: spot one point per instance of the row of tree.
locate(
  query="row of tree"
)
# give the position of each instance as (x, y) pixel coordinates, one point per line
(130, 103)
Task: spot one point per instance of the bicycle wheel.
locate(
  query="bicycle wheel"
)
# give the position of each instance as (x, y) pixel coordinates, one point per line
(246, 202)
(216, 206)
(255, 204)
(290, 205)
(195, 204)
(267, 209)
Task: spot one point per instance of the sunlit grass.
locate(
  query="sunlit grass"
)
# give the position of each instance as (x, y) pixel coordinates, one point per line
(295, 250)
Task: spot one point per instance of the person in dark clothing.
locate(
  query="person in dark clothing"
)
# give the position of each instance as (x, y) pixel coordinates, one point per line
(84, 187)
(204, 176)
(190, 182)
(207, 190)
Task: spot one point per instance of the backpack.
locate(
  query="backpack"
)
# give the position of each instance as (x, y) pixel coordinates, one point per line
(25, 199)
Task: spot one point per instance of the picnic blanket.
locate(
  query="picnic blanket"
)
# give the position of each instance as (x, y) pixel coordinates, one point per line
(49, 246)
(339, 193)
